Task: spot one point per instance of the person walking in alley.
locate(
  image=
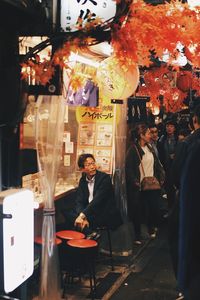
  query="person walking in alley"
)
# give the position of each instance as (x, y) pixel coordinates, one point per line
(154, 137)
(189, 246)
(166, 149)
(185, 147)
(184, 151)
(141, 157)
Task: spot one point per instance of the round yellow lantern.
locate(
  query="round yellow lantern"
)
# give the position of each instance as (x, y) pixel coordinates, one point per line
(117, 80)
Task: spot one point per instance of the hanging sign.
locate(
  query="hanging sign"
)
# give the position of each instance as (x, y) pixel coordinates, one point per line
(76, 13)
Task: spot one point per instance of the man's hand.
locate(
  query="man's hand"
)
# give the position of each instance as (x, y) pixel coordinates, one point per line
(85, 224)
(81, 223)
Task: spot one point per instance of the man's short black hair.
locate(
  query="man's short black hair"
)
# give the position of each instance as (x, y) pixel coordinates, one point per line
(82, 158)
(152, 125)
(171, 122)
(184, 131)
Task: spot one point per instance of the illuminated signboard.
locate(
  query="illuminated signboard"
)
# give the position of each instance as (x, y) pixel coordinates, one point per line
(76, 13)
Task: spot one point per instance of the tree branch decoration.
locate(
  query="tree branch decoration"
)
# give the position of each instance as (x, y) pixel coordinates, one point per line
(140, 35)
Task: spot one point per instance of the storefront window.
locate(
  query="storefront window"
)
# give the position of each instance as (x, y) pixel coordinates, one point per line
(68, 174)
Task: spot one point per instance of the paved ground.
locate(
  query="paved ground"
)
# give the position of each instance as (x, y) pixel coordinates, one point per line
(146, 275)
(151, 279)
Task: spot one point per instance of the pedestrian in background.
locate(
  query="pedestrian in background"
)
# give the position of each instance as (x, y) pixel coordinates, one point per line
(154, 137)
(166, 150)
(189, 246)
(141, 159)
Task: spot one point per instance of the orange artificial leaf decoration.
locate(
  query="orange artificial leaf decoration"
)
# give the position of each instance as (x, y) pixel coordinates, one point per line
(141, 36)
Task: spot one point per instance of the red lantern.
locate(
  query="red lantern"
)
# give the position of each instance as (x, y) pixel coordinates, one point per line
(184, 81)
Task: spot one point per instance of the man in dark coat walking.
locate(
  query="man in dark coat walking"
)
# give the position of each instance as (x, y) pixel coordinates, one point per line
(184, 151)
(185, 147)
(189, 245)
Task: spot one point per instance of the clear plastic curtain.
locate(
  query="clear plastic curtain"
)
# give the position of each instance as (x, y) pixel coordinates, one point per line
(119, 157)
(49, 138)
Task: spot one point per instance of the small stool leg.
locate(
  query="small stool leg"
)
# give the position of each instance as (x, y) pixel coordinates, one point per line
(92, 280)
(110, 248)
(91, 286)
(83, 254)
(67, 280)
(94, 277)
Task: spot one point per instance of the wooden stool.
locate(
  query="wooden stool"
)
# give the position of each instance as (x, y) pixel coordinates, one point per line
(66, 235)
(82, 254)
(70, 235)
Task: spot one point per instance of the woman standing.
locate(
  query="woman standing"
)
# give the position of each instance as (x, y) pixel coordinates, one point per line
(141, 161)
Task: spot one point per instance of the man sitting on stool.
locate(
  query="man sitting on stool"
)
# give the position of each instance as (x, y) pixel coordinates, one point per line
(95, 197)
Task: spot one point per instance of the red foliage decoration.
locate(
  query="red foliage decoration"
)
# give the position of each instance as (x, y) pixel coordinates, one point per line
(144, 30)
(162, 81)
(157, 28)
(42, 72)
(173, 85)
(184, 81)
(196, 84)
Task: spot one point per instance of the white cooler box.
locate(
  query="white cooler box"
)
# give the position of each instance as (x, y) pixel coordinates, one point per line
(16, 238)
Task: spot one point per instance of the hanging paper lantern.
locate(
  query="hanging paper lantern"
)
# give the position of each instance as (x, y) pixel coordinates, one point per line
(75, 14)
(184, 81)
(117, 81)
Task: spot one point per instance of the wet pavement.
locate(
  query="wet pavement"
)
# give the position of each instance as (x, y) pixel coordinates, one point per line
(146, 275)
(151, 277)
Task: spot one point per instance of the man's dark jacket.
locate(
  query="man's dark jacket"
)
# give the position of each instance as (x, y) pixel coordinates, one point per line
(99, 209)
(189, 246)
(164, 155)
(184, 148)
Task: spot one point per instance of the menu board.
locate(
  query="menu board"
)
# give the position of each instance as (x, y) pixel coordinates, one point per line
(97, 139)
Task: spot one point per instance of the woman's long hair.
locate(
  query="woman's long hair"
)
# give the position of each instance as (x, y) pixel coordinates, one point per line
(140, 128)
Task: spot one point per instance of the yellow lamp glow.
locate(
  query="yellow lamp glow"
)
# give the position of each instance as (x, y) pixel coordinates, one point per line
(117, 81)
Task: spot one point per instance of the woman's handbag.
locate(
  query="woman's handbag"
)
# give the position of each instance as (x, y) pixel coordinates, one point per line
(148, 182)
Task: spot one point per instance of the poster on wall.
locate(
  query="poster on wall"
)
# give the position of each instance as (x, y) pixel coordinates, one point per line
(104, 159)
(99, 141)
(104, 135)
(87, 134)
(96, 134)
(85, 94)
